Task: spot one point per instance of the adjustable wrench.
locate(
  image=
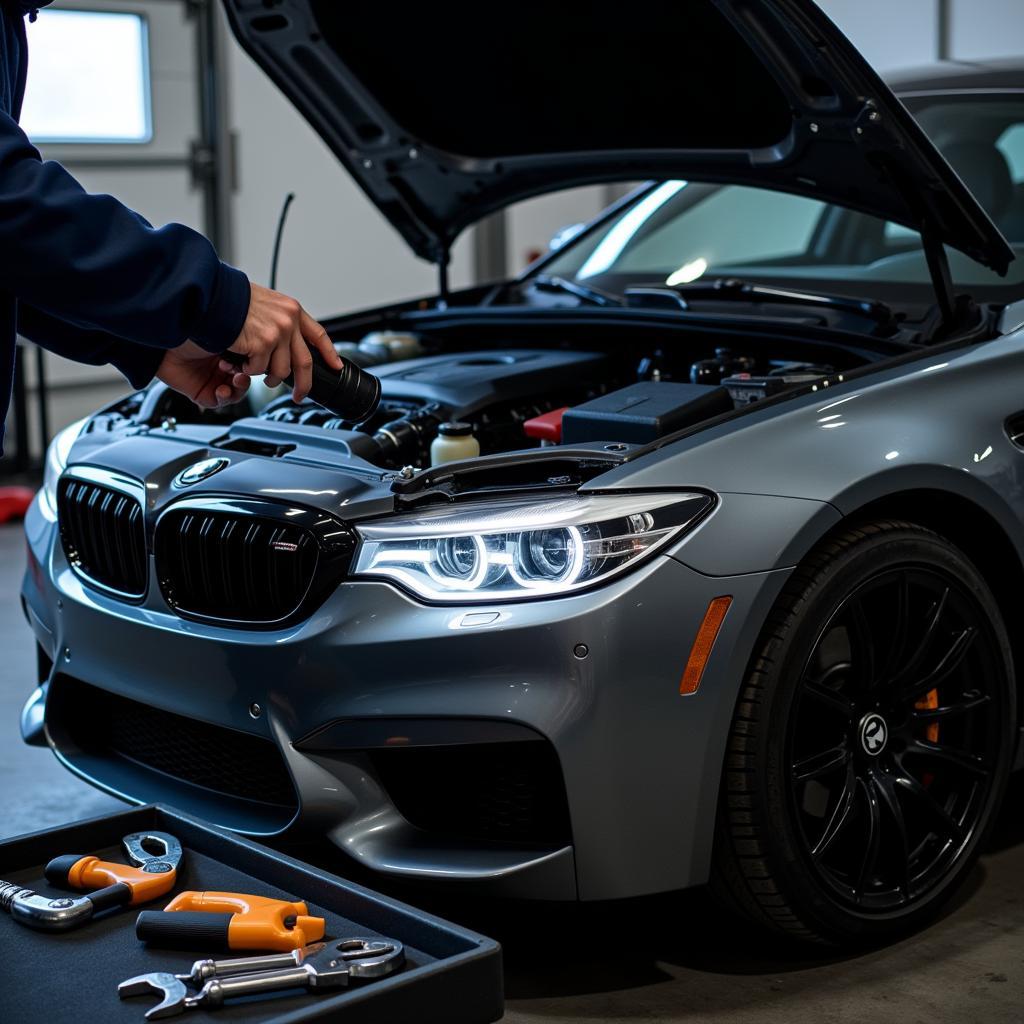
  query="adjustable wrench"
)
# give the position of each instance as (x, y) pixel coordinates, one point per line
(149, 876)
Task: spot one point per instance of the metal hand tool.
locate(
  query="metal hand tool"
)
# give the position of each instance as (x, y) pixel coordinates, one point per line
(149, 876)
(229, 920)
(333, 967)
(203, 970)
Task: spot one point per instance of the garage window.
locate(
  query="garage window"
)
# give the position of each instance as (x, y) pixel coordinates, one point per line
(88, 78)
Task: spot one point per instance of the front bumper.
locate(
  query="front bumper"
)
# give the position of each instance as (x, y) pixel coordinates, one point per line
(640, 764)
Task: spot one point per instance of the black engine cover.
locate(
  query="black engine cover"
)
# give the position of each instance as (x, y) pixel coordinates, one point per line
(468, 382)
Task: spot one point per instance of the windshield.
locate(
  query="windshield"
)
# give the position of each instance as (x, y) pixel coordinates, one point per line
(674, 233)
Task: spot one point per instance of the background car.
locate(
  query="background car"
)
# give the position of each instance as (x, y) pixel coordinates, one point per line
(725, 595)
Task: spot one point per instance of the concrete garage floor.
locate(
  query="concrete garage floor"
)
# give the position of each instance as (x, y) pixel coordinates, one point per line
(669, 958)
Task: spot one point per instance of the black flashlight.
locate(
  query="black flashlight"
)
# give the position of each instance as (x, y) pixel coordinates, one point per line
(350, 393)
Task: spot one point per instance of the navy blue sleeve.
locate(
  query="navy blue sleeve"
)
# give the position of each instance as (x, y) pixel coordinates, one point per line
(90, 261)
(137, 362)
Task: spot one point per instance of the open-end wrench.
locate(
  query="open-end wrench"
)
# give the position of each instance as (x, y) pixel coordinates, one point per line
(333, 967)
(175, 991)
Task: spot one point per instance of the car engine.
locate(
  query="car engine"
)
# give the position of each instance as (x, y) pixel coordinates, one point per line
(504, 399)
(493, 392)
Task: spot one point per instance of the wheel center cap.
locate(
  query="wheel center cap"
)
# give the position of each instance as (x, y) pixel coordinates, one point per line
(874, 734)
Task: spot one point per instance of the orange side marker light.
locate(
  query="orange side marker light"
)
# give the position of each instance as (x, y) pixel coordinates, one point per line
(702, 645)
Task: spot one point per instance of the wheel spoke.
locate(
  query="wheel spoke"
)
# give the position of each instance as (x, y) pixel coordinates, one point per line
(832, 699)
(947, 665)
(931, 628)
(840, 816)
(971, 699)
(870, 861)
(821, 764)
(890, 800)
(950, 828)
(900, 629)
(950, 755)
(862, 644)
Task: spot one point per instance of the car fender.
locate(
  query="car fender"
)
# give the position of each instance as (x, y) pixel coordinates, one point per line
(786, 474)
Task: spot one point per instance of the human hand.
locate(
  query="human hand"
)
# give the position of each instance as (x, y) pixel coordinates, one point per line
(276, 338)
(200, 375)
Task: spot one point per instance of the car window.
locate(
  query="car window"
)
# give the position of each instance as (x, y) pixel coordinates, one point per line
(1011, 145)
(736, 224)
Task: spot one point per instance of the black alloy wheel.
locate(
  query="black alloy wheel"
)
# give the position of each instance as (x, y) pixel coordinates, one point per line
(871, 744)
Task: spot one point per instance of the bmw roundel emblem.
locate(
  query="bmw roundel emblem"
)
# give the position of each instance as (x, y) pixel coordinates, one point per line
(199, 471)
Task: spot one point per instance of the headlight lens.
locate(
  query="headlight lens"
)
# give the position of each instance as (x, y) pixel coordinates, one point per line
(56, 462)
(506, 550)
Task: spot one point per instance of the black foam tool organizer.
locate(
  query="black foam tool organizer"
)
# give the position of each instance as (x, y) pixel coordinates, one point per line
(451, 975)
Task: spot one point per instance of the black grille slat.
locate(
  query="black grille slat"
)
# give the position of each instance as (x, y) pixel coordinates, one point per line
(234, 567)
(121, 519)
(207, 589)
(224, 550)
(102, 533)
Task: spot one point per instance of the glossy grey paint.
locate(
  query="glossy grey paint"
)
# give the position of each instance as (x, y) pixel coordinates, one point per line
(936, 423)
(630, 747)
(629, 744)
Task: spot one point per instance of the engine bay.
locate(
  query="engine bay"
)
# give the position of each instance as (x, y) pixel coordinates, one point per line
(515, 398)
(453, 395)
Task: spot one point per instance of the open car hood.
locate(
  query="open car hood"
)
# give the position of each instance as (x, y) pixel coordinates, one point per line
(444, 113)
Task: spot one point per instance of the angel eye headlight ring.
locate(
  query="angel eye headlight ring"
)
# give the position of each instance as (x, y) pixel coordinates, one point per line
(458, 558)
(513, 550)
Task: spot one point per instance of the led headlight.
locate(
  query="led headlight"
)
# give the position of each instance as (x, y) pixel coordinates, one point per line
(56, 462)
(504, 550)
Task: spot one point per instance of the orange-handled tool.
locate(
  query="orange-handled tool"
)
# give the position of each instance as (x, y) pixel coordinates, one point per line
(151, 874)
(230, 920)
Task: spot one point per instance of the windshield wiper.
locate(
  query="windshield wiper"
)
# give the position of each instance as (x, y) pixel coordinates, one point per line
(731, 289)
(583, 292)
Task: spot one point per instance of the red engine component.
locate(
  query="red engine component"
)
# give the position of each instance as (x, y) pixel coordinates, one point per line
(547, 427)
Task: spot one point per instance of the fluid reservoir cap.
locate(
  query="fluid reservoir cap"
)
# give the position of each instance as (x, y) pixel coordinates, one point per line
(456, 429)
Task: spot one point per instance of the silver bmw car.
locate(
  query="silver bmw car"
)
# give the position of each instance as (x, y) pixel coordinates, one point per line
(693, 554)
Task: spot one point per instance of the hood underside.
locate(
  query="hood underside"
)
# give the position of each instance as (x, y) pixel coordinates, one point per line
(444, 113)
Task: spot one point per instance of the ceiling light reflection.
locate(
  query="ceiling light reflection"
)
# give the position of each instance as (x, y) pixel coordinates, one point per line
(687, 272)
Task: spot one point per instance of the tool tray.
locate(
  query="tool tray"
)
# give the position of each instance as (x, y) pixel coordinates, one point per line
(451, 975)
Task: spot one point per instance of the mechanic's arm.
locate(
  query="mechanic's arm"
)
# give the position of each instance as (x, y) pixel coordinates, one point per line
(188, 368)
(138, 363)
(93, 263)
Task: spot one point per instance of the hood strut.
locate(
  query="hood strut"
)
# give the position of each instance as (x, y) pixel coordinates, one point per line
(443, 259)
(938, 267)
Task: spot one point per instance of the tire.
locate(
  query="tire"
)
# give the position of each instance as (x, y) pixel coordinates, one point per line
(855, 794)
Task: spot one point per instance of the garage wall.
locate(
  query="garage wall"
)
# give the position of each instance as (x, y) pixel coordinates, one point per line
(985, 29)
(890, 34)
